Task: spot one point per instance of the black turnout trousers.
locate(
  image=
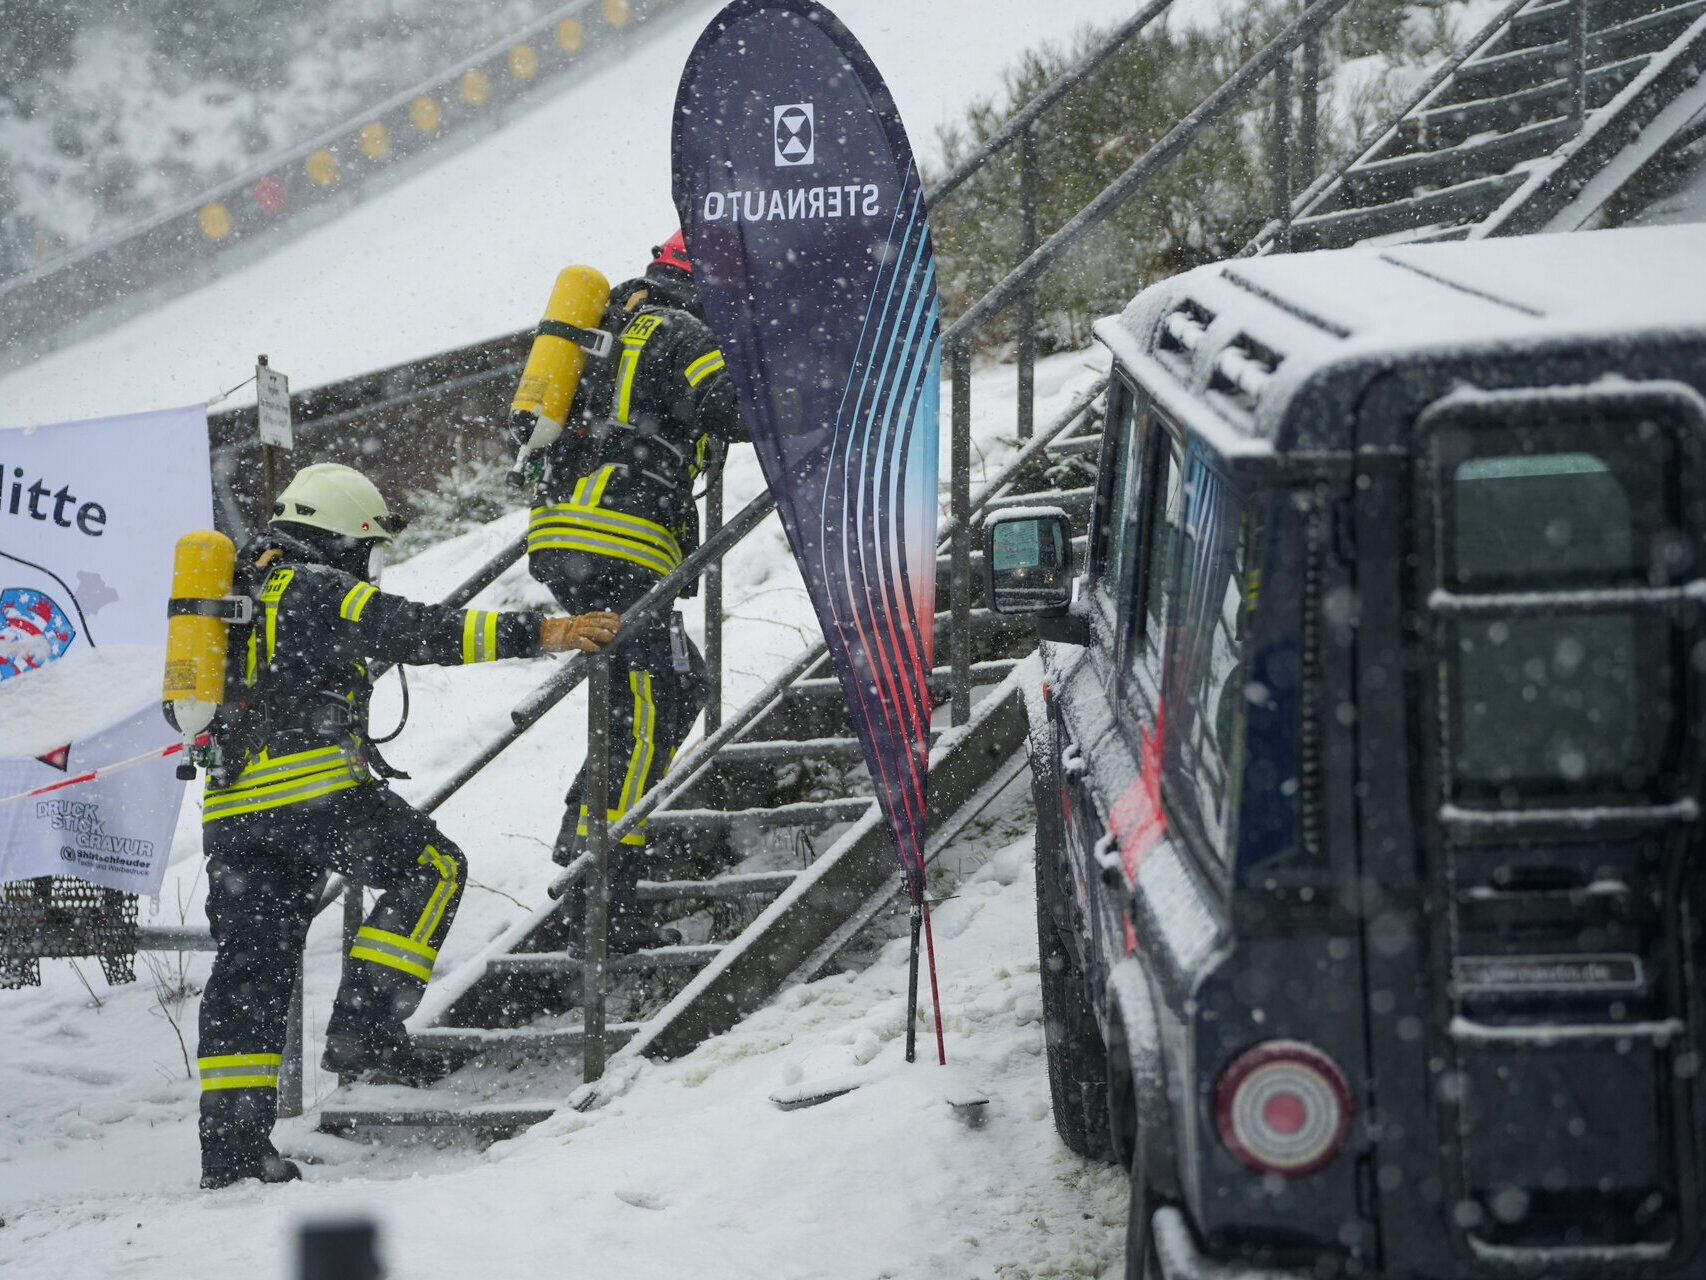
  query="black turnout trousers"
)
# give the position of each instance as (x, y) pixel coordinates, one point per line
(652, 706)
(265, 870)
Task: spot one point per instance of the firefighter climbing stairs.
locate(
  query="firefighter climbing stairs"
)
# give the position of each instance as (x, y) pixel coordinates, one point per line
(1538, 126)
(794, 783)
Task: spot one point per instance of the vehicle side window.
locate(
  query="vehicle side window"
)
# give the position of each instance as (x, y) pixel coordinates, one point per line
(1205, 717)
(1114, 533)
(1155, 583)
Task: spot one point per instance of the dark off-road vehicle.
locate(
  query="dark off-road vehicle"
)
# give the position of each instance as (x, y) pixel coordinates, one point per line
(1367, 753)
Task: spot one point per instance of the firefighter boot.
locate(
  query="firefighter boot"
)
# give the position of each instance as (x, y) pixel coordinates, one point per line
(365, 1059)
(268, 1166)
(631, 927)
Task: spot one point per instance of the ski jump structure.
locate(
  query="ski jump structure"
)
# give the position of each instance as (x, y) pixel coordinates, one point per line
(300, 188)
(1544, 119)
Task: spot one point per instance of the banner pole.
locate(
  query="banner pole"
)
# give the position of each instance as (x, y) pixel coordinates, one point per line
(912, 988)
(935, 995)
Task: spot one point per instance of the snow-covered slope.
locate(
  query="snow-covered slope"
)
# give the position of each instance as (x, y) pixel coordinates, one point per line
(468, 250)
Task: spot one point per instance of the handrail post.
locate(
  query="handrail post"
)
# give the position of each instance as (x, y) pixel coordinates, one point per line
(714, 596)
(290, 1062)
(959, 503)
(1282, 151)
(1309, 109)
(1578, 64)
(1029, 182)
(597, 886)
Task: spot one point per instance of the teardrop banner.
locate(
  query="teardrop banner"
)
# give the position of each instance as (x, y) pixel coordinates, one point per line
(805, 222)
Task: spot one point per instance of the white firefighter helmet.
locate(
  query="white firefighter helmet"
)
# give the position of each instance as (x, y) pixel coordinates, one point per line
(329, 495)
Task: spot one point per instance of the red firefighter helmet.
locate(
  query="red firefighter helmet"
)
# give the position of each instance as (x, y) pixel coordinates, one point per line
(673, 253)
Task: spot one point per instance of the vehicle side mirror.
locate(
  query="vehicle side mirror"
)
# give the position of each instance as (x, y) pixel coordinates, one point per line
(1027, 561)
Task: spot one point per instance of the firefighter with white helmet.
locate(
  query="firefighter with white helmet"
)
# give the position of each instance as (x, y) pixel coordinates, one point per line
(297, 789)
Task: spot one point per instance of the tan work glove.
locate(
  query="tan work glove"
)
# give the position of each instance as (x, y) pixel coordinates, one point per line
(586, 632)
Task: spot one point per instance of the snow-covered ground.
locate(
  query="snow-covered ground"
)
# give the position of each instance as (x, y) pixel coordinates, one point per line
(692, 1170)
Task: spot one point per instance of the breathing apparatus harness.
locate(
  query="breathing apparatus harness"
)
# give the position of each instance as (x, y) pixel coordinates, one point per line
(248, 719)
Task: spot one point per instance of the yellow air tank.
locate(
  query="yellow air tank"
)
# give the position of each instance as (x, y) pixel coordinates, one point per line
(202, 570)
(554, 364)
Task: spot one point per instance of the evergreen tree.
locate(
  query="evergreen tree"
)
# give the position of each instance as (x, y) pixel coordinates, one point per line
(1203, 206)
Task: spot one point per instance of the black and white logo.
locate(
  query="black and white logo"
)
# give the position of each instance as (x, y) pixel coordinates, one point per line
(795, 141)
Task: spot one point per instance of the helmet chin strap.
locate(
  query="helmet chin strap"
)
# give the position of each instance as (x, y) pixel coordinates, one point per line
(375, 562)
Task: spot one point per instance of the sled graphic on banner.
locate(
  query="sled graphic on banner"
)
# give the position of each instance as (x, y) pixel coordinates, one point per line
(805, 221)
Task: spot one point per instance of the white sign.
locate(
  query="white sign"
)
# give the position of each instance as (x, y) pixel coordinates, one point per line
(272, 397)
(89, 515)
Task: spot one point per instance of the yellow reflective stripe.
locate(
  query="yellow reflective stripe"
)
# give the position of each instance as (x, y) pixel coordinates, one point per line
(635, 837)
(356, 601)
(265, 768)
(271, 782)
(239, 1071)
(618, 549)
(479, 635)
(640, 761)
(704, 367)
(270, 594)
(615, 524)
(213, 810)
(625, 382)
(249, 664)
(621, 522)
(590, 491)
(240, 1060)
(394, 952)
(433, 915)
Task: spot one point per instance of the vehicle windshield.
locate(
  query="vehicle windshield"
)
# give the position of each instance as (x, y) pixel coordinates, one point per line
(1570, 700)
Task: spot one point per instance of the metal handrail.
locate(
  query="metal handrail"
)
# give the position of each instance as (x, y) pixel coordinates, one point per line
(1123, 188)
(1056, 89)
(574, 670)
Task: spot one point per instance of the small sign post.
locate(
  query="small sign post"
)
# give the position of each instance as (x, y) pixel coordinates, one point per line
(272, 403)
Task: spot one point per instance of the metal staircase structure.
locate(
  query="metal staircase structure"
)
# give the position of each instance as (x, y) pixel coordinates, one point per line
(736, 826)
(1535, 125)
(785, 772)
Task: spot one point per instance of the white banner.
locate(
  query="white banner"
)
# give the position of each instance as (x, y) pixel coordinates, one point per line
(89, 515)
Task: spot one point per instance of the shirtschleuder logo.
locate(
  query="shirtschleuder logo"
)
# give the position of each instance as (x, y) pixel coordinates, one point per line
(796, 143)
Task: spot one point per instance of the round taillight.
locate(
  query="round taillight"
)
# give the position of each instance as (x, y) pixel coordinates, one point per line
(1283, 1107)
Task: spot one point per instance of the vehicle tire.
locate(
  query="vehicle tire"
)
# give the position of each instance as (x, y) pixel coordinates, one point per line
(1077, 1057)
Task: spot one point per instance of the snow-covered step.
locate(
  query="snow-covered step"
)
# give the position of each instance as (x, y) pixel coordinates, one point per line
(1621, 36)
(479, 1125)
(1465, 202)
(515, 1044)
(567, 963)
(713, 832)
(735, 885)
(1399, 176)
(1446, 126)
(1550, 22)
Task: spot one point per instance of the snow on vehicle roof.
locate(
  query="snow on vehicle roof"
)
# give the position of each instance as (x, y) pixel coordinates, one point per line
(1245, 335)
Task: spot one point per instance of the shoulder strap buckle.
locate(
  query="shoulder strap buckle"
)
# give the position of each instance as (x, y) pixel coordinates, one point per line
(239, 610)
(597, 343)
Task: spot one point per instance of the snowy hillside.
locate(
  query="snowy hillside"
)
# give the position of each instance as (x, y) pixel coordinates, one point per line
(468, 250)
